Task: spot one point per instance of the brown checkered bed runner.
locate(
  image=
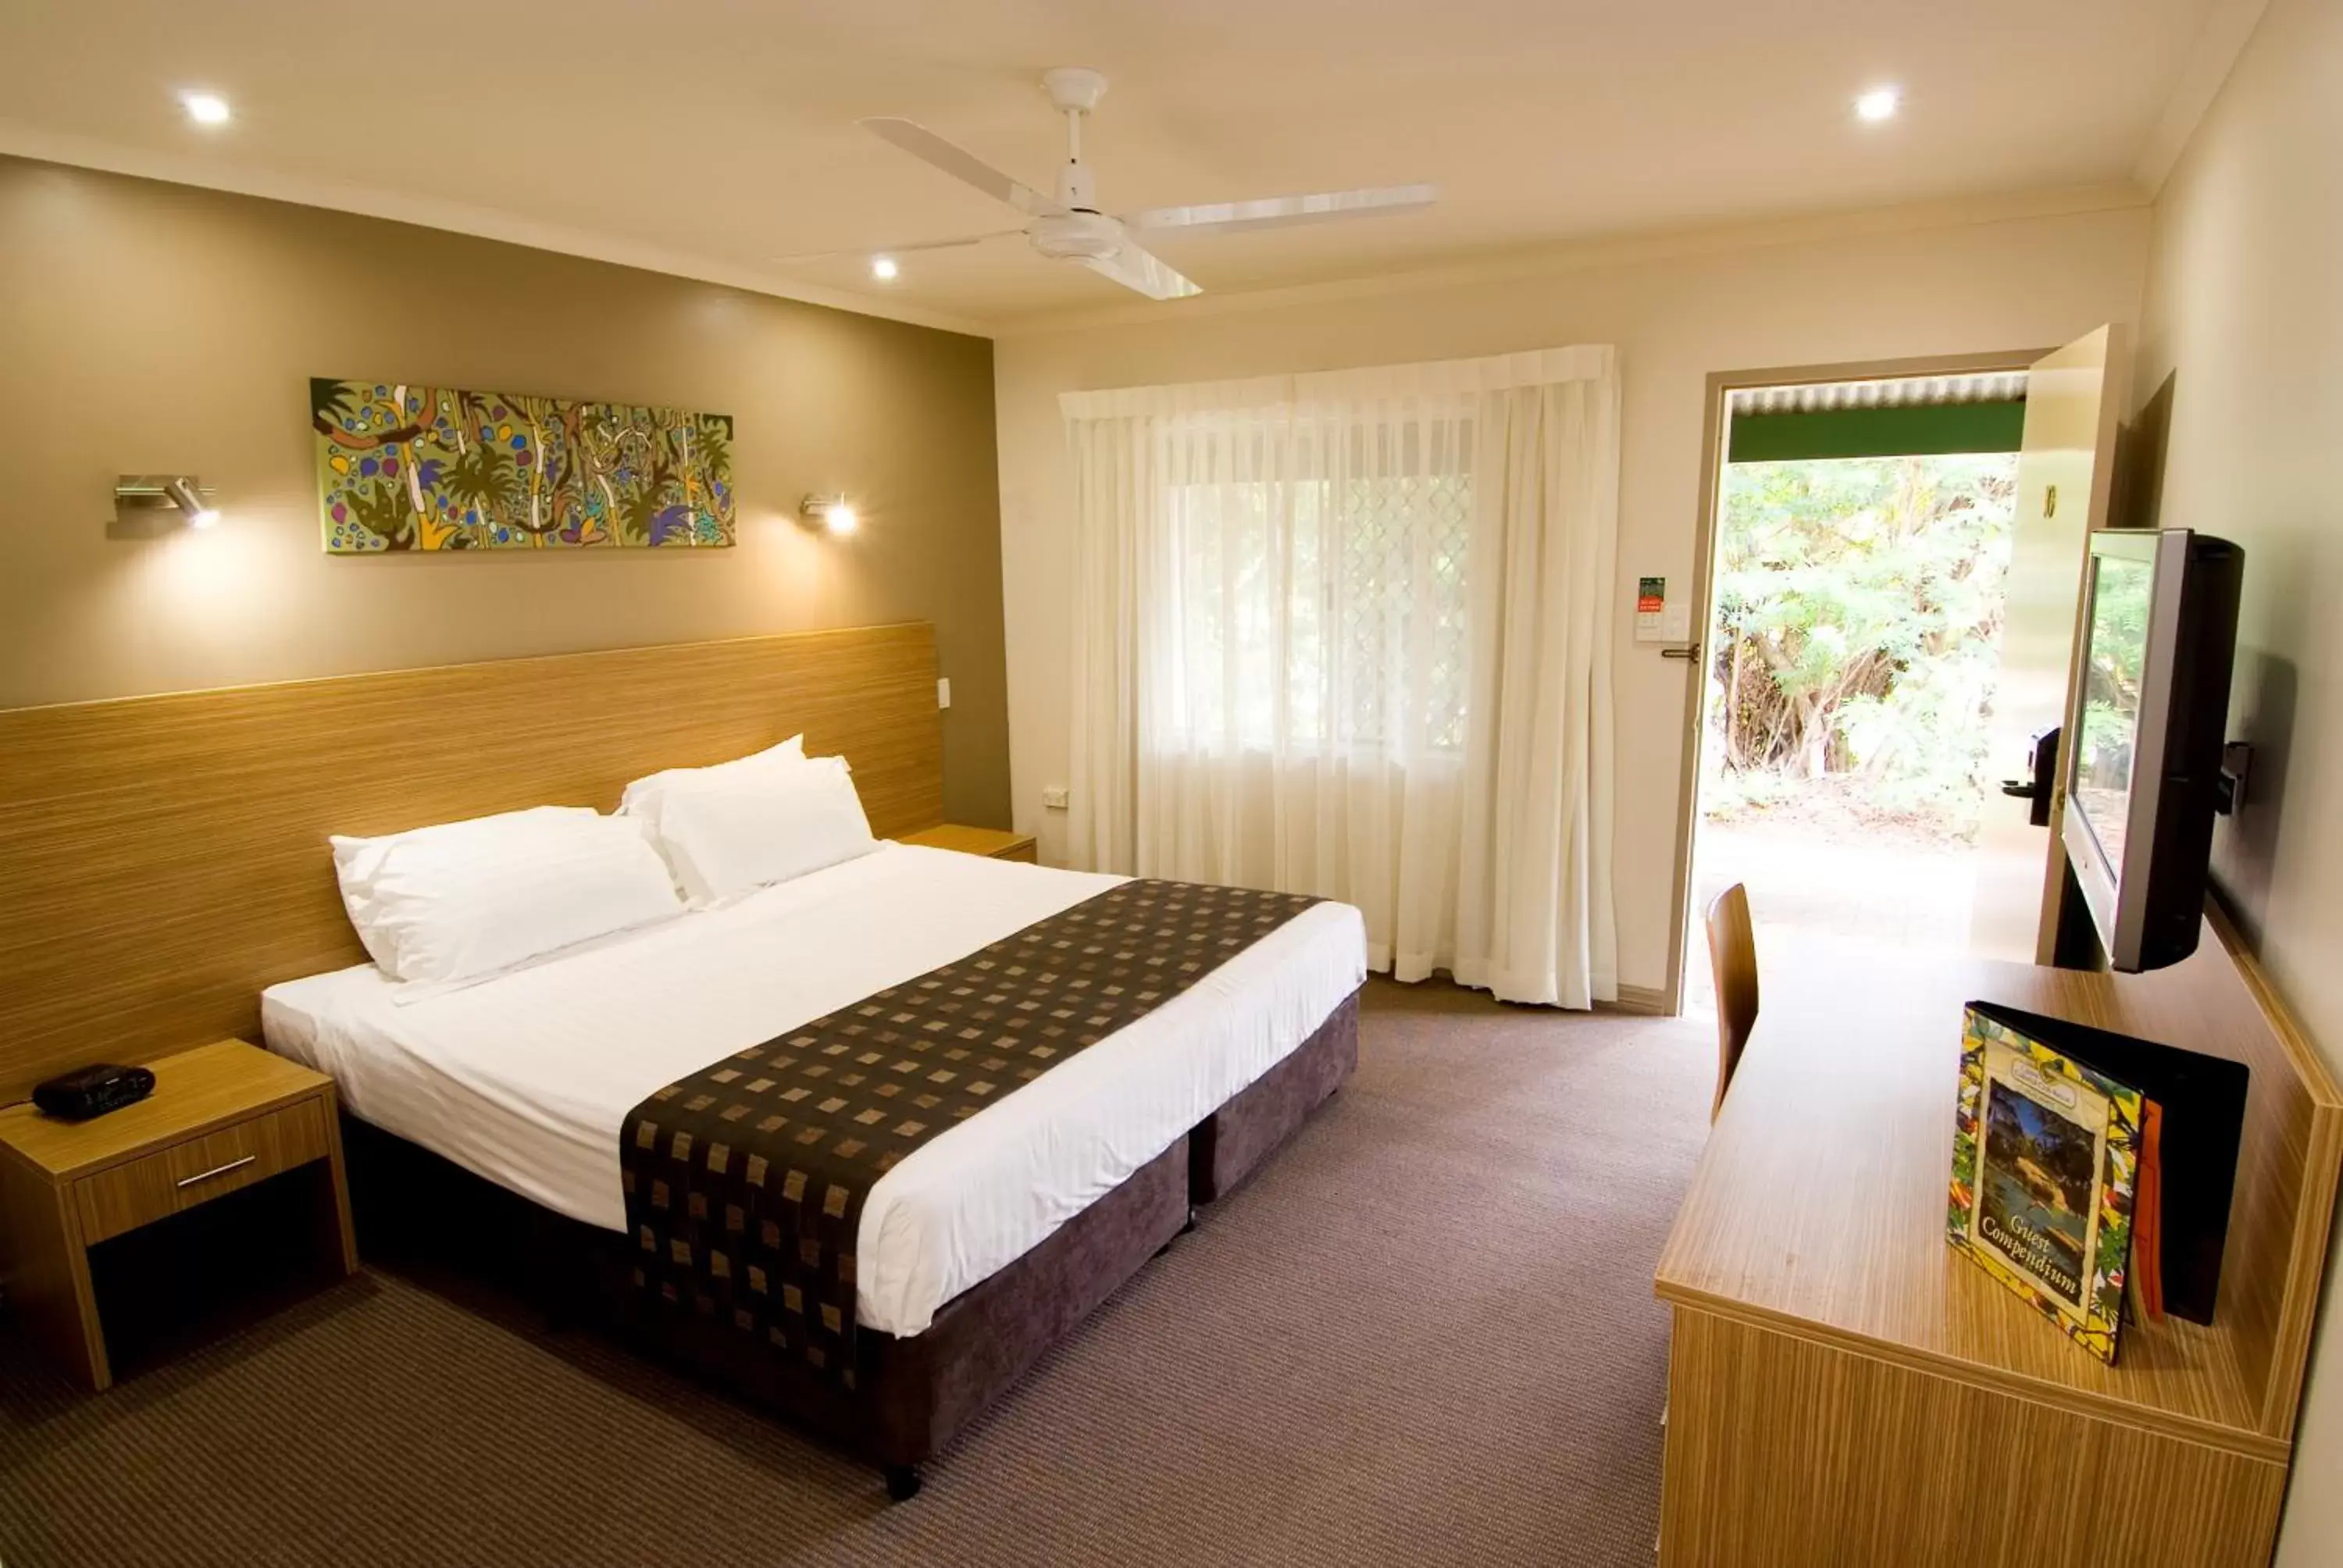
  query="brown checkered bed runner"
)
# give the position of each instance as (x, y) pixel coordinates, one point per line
(745, 1182)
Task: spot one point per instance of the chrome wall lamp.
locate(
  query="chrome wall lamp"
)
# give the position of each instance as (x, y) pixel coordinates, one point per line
(146, 505)
(832, 512)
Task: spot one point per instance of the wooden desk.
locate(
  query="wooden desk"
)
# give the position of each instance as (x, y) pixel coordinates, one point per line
(1845, 1388)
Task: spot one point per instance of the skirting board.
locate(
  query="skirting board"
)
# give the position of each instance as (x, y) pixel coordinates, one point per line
(1642, 1000)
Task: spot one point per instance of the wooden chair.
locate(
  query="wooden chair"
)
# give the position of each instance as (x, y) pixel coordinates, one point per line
(1733, 958)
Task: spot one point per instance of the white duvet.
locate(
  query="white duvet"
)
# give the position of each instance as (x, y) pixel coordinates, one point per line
(525, 1078)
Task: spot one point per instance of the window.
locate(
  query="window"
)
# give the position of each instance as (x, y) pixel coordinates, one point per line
(1288, 649)
(1320, 596)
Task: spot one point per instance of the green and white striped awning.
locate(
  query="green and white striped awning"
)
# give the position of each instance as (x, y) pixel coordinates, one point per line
(1889, 417)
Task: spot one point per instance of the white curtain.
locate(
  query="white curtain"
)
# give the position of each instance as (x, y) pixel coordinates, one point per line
(1350, 634)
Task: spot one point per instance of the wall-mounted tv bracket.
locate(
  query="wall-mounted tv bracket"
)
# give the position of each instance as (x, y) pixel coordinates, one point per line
(2236, 762)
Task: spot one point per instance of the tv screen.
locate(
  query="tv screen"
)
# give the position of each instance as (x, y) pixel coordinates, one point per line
(2143, 769)
(2115, 667)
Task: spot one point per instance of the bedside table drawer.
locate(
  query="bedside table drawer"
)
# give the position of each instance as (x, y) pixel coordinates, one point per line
(159, 1185)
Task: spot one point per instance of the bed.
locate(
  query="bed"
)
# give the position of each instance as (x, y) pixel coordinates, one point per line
(978, 1248)
(163, 865)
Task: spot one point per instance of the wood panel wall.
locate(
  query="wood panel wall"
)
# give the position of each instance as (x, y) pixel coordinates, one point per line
(163, 859)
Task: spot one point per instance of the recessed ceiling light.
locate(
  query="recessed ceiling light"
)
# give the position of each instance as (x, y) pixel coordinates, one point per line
(205, 108)
(1879, 104)
(883, 269)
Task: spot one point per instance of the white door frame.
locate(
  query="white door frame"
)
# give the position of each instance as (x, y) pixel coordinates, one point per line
(1722, 385)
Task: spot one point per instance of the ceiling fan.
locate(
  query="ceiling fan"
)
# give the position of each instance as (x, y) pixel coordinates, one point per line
(1068, 227)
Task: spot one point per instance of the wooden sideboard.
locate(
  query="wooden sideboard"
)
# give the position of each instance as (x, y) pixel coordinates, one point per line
(1843, 1388)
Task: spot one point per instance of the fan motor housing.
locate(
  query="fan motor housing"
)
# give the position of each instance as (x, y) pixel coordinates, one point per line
(1076, 236)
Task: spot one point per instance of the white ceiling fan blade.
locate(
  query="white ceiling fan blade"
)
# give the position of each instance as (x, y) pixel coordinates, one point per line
(962, 164)
(1134, 268)
(868, 251)
(1279, 212)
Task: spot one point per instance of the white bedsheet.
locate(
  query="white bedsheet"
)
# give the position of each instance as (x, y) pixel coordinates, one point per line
(525, 1079)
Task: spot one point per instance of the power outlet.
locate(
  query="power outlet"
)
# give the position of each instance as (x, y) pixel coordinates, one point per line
(1054, 796)
(943, 691)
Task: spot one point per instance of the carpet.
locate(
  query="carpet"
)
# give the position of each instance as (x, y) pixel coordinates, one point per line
(1284, 1386)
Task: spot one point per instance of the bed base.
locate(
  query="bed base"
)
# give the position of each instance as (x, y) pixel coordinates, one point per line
(1238, 1139)
(913, 1394)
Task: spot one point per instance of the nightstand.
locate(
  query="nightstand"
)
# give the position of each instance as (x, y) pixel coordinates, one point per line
(222, 1117)
(991, 842)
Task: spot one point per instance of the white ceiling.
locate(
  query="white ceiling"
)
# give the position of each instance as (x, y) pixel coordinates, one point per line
(713, 137)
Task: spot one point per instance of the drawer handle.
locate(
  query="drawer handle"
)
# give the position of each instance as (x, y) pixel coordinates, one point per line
(218, 1171)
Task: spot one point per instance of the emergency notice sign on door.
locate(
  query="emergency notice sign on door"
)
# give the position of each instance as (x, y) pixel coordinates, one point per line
(1651, 604)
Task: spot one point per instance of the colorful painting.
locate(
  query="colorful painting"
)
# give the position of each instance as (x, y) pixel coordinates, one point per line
(402, 468)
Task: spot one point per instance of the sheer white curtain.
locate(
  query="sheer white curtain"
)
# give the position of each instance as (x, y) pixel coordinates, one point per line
(1349, 634)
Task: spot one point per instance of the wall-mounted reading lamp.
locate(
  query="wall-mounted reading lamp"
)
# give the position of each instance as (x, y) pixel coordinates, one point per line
(832, 512)
(146, 505)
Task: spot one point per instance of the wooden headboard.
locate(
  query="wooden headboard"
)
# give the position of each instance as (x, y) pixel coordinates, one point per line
(163, 859)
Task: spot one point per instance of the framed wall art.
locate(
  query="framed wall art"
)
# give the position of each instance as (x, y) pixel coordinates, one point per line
(408, 468)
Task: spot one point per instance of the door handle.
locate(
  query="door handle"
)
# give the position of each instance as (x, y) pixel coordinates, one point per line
(2037, 790)
(1689, 650)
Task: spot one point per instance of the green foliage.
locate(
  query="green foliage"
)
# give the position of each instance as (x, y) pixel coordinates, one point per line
(1859, 602)
(381, 507)
(331, 401)
(2115, 660)
(483, 479)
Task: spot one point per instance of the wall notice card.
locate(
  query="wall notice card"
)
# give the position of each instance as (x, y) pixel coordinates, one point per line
(2045, 1159)
(1651, 604)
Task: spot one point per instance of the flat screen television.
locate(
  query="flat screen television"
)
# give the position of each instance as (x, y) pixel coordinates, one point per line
(2143, 763)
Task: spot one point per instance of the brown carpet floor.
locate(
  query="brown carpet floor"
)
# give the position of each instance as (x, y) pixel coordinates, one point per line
(1424, 1334)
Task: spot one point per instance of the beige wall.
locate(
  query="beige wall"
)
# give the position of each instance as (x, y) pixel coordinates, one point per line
(1980, 287)
(2244, 318)
(147, 327)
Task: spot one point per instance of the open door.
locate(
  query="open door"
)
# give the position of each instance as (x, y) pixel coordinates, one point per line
(2065, 472)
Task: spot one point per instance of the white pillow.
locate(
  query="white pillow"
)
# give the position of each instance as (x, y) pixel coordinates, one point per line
(726, 833)
(461, 900)
(647, 796)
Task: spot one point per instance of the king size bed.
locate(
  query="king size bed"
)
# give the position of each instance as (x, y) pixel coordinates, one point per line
(972, 1250)
(819, 1139)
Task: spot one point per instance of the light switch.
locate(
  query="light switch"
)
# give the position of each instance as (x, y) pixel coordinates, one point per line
(1054, 796)
(943, 691)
